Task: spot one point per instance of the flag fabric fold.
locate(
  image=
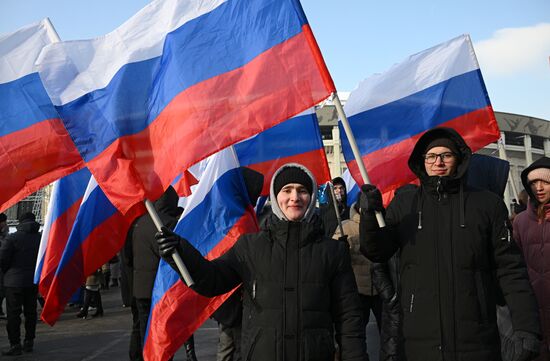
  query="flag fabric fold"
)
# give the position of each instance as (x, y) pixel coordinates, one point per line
(388, 112)
(98, 233)
(35, 148)
(297, 140)
(65, 200)
(181, 73)
(217, 213)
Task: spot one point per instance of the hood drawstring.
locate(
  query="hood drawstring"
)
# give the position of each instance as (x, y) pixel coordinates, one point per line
(462, 215)
(419, 207)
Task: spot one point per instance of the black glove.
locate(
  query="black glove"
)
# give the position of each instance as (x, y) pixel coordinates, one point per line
(370, 199)
(168, 242)
(522, 346)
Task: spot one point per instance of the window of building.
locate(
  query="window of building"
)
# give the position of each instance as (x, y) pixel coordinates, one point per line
(513, 138)
(537, 142)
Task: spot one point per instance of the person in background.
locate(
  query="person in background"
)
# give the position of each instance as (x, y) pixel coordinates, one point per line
(362, 267)
(517, 208)
(18, 255)
(328, 213)
(115, 271)
(4, 230)
(455, 256)
(229, 314)
(298, 285)
(92, 296)
(532, 234)
(145, 259)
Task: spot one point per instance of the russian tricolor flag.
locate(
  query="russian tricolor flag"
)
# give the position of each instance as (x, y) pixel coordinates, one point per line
(65, 200)
(217, 213)
(179, 81)
(296, 140)
(35, 148)
(388, 112)
(98, 233)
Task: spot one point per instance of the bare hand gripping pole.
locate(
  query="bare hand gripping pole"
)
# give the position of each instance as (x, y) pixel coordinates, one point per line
(355, 149)
(175, 256)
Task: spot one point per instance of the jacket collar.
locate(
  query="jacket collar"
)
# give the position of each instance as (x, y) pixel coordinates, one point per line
(309, 232)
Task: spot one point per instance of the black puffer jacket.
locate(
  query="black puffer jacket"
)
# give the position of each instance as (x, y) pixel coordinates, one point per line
(456, 255)
(144, 255)
(298, 287)
(18, 255)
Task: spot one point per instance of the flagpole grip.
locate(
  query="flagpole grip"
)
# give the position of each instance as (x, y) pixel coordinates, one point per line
(175, 256)
(355, 150)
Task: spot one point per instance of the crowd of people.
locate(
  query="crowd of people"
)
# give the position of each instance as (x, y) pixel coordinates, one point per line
(435, 277)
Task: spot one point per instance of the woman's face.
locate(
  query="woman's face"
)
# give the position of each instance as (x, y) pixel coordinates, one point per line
(293, 200)
(541, 190)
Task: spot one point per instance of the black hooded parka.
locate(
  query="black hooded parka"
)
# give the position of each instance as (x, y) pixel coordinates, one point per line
(456, 257)
(299, 291)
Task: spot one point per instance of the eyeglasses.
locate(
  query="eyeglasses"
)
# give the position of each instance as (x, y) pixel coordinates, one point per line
(431, 158)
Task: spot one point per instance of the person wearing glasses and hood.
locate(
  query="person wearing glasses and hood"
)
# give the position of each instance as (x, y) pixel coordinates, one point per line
(532, 233)
(456, 257)
(299, 290)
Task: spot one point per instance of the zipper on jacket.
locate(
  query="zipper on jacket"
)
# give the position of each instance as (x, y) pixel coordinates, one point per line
(438, 189)
(411, 305)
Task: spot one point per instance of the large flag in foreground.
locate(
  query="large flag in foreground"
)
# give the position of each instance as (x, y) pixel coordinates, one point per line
(181, 73)
(66, 197)
(217, 213)
(98, 233)
(441, 86)
(35, 148)
(296, 140)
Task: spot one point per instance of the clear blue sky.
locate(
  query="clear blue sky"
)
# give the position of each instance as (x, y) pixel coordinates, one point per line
(360, 37)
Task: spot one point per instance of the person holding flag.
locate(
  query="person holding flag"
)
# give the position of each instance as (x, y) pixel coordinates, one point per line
(456, 259)
(298, 286)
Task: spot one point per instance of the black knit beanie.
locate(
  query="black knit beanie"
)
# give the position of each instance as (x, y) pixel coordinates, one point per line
(292, 174)
(442, 142)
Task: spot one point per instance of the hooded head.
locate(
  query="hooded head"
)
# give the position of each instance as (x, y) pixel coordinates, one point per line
(168, 202)
(537, 171)
(254, 182)
(439, 138)
(340, 190)
(27, 217)
(297, 174)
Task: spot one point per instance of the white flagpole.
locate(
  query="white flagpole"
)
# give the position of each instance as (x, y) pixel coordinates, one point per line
(175, 256)
(52, 33)
(355, 149)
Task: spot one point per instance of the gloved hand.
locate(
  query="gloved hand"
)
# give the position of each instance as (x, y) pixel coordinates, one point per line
(167, 241)
(521, 346)
(370, 199)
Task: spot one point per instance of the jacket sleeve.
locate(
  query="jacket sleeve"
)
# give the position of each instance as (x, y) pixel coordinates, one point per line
(512, 276)
(6, 253)
(378, 244)
(346, 309)
(516, 233)
(212, 278)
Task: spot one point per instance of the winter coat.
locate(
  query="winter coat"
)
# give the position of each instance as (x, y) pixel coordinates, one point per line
(18, 255)
(144, 249)
(298, 289)
(360, 264)
(456, 256)
(533, 239)
(384, 277)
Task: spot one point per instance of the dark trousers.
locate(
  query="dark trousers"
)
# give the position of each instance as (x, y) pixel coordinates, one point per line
(374, 304)
(21, 299)
(136, 349)
(144, 308)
